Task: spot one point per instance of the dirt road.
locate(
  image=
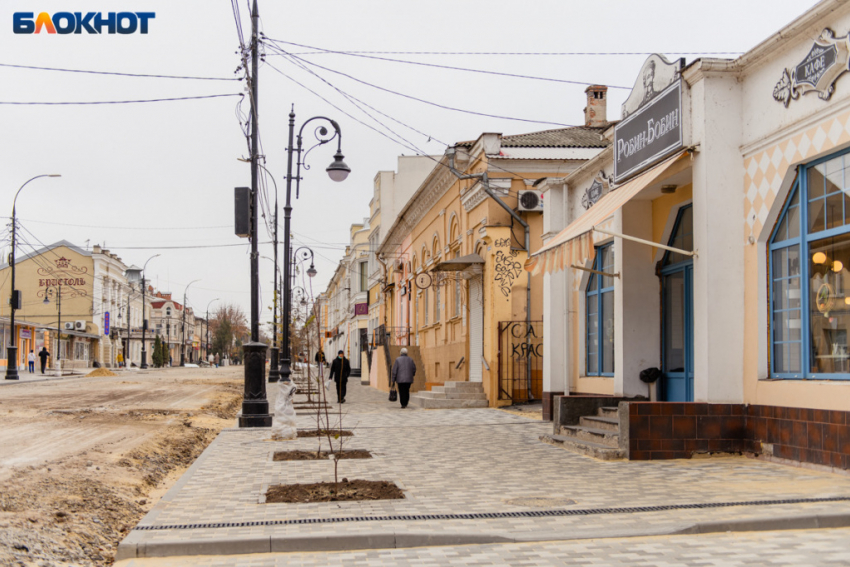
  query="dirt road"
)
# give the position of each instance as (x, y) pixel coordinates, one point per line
(83, 459)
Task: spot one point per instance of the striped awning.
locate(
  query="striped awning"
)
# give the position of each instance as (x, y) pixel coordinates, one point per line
(574, 244)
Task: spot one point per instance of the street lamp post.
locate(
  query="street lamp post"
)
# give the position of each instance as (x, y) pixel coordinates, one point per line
(58, 294)
(183, 327)
(207, 350)
(136, 275)
(338, 171)
(15, 301)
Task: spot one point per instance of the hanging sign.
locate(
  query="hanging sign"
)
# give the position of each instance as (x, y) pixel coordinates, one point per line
(649, 135)
(106, 323)
(361, 309)
(817, 72)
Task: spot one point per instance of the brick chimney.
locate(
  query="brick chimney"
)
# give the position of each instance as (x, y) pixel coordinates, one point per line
(595, 113)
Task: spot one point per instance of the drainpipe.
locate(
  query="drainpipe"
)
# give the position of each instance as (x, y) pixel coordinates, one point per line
(485, 184)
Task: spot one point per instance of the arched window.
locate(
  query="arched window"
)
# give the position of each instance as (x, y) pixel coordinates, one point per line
(810, 300)
(600, 315)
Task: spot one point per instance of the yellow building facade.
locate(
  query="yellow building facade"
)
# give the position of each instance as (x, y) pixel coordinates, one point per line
(455, 288)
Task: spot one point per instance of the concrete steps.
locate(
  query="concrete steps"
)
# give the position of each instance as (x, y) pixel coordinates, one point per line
(603, 452)
(596, 436)
(452, 395)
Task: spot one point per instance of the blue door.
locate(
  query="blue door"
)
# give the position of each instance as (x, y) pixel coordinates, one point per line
(678, 335)
(677, 304)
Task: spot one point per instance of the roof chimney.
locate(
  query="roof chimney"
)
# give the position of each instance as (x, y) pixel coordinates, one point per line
(595, 113)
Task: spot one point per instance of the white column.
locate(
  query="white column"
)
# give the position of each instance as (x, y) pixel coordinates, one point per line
(718, 174)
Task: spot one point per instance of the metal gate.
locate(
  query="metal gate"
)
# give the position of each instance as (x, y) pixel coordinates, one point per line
(520, 360)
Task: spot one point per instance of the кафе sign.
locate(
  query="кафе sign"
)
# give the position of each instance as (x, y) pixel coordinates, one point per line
(653, 129)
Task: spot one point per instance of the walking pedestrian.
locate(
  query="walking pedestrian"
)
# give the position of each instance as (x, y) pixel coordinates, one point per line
(340, 369)
(320, 357)
(31, 362)
(120, 359)
(404, 369)
(217, 360)
(43, 355)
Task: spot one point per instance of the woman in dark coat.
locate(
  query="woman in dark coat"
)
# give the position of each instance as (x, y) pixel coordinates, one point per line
(340, 369)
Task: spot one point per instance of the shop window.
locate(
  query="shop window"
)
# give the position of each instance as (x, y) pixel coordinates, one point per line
(600, 315)
(809, 287)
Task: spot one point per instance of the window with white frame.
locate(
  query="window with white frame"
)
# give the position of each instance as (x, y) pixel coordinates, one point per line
(364, 276)
(809, 286)
(599, 334)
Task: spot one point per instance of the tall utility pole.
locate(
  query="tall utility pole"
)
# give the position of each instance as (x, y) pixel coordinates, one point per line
(255, 406)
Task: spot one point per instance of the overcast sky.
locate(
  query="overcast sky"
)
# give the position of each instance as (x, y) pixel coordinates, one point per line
(139, 178)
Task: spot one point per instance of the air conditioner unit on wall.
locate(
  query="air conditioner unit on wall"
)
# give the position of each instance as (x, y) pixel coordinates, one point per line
(69, 326)
(530, 201)
(80, 325)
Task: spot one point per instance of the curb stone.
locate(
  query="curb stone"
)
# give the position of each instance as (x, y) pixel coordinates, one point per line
(129, 549)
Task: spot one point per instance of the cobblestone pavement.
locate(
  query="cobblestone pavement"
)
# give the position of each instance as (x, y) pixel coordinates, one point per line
(471, 461)
(794, 548)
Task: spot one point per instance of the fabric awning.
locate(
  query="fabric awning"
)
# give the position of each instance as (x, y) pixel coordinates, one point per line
(575, 243)
(459, 264)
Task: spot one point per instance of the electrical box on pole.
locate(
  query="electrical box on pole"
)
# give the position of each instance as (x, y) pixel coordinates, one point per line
(17, 299)
(243, 211)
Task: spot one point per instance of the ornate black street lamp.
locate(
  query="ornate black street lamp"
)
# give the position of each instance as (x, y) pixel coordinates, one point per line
(135, 275)
(15, 301)
(337, 171)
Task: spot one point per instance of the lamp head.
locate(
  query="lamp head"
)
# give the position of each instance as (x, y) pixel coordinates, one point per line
(46, 300)
(311, 271)
(338, 170)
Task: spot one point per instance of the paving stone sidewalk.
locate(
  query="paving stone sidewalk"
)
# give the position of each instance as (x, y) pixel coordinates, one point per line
(465, 463)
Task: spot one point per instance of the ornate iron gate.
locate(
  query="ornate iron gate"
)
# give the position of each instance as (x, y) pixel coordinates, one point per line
(520, 360)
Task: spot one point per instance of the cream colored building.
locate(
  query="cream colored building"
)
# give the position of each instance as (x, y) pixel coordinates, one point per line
(747, 310)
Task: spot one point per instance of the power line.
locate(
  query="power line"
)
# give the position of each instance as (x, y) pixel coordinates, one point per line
(28, 103)
(449, 67)
(417, 99)
(138, 75)
(124, 227)
(521, 53)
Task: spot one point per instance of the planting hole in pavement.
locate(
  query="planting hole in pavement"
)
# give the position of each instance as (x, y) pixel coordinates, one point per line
(334, 433)
(346, 490)
(298, 455)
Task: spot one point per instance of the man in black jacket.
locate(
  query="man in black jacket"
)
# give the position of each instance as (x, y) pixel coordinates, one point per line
(340, 369)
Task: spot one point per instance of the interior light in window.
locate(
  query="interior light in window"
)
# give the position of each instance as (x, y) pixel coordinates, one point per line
(837, 266)
(819, 258)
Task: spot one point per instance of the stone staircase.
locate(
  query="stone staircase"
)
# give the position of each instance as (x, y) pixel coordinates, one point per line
(595, 436)
(451, 395)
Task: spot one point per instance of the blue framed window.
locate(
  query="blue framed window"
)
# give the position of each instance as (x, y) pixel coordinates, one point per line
(809, 279)
(600, 315)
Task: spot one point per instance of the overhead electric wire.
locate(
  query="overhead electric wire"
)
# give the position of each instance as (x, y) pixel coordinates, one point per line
(351, 99)
(522, 53)
(97, 102)
(449, 67)
(417, 99)
(405, 145)
(136, 75)
(125, 227)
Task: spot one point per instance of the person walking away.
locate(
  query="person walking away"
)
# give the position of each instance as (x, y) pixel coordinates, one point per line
(43, 355)
(340, 369)
(404, 369)
(320, 357)
(31, 362)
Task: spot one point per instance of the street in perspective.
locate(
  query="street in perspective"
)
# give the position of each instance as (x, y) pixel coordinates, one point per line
(493, 284)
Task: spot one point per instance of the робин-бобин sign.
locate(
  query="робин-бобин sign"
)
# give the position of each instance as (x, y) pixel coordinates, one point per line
(649, 135)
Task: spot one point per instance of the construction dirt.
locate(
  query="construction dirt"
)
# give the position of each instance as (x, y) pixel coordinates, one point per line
(83, 459)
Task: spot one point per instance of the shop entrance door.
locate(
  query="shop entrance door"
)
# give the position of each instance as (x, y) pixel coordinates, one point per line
(678, 336)
(677, 333)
